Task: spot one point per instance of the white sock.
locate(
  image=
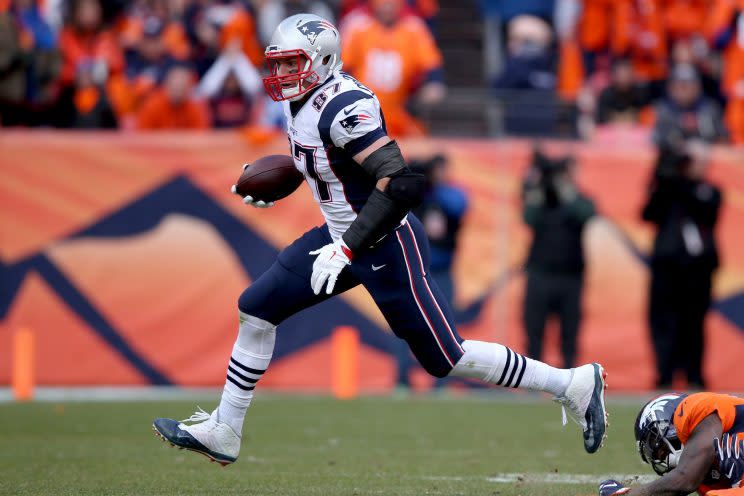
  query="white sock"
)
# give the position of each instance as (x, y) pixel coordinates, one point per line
(249, 360)
(497, 364)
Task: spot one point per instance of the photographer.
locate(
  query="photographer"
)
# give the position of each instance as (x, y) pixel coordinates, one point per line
(557, 212)
(685, 208)
(441, 213)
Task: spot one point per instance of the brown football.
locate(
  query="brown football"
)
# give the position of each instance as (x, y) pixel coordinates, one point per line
(269, 178)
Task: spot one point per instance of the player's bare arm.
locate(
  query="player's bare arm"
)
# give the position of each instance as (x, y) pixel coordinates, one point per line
(693, 465)
(397, 191)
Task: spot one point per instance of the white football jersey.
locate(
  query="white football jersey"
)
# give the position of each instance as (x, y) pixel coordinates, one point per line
(340, 118)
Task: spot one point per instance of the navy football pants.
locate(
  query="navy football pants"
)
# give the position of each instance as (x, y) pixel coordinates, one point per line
(394, 272)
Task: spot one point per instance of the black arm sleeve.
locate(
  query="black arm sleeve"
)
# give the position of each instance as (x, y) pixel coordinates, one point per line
(380, 215)
(385, 161)
(384, 210)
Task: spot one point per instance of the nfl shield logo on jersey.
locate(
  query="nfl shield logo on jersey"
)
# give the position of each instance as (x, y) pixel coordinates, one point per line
(312, 29)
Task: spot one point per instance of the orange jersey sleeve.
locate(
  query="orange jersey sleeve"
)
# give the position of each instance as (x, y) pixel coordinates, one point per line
(242, 27)
(694, 408)
(734, 491)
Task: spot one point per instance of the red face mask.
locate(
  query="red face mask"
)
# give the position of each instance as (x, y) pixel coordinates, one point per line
(287, 86)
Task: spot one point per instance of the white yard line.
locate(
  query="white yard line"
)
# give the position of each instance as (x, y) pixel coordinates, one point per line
(550, 478)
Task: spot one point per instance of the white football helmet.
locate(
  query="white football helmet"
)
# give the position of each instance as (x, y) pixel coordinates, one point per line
(315, 43)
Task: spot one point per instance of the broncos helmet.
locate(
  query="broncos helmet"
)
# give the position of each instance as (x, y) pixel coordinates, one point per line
(316, 45)
(656, 436)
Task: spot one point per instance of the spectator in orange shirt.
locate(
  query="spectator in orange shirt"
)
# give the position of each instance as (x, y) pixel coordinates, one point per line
(170, 13)
(648, 46)
(723, 30)
(241, 26)
(617, 28)
(396, 56)
(173, 107)
(92, 110)
(684, 19)
(147, 63)
(602, 29)
(86, 40)
(425, 9)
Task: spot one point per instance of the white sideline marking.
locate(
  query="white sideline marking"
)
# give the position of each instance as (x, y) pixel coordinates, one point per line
(551, 478)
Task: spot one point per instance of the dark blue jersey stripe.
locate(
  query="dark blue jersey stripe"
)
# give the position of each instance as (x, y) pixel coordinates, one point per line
(357, 184)
(332, 109)
(358, 144)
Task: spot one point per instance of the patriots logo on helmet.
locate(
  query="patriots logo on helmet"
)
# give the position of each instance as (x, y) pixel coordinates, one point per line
(349, 123)
(311, 29)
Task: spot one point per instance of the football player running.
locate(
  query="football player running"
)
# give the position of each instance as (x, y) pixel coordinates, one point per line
(365, 191)
(695, 442)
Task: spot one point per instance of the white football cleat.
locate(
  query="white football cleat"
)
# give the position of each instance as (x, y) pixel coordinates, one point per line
(584, 401)
(206, 435)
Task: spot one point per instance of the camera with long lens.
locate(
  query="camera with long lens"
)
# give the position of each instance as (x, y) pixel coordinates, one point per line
(550, 169)
(672, 161)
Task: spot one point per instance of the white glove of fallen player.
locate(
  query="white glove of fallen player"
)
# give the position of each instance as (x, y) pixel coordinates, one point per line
(248, 199)
(331, 260)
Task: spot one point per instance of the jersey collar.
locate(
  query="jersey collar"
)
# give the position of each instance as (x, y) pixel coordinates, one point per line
(295, 107)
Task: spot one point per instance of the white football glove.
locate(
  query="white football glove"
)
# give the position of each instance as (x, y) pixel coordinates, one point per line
(331, 260)
(248, 199)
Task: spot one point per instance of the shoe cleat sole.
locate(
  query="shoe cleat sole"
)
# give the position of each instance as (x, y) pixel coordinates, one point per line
(223, 462)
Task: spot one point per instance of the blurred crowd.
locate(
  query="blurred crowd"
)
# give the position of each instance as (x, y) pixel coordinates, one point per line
(645, 62)
(191, 64)
(676, 66)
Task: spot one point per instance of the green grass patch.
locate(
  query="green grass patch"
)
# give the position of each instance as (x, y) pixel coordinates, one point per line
(295, 445)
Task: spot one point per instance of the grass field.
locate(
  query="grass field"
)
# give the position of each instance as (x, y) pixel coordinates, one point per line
(293, 445)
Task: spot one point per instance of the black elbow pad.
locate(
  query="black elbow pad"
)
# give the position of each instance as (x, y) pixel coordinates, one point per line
(407, 188)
